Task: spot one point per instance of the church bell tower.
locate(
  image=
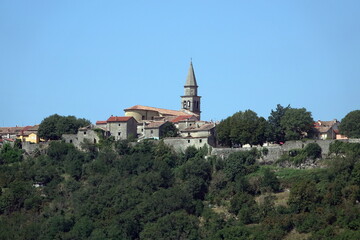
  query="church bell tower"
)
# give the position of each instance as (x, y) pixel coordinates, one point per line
(191, 101)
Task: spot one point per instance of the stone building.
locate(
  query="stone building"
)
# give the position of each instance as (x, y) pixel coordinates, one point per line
(121, 127)
(326, 129)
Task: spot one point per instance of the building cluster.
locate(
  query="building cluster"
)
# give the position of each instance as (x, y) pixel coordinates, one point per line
(143, 122)
(24, 134)
(328, 130)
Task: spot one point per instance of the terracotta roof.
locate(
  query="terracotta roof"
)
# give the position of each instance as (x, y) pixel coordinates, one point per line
(320, 123)
(159, 110)
(10, 130)
(100, 122)
(119, 119)
(155, 124)
(205, 127)
(181, 118)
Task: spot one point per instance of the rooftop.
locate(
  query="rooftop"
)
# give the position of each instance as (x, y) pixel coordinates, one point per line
(159, 110)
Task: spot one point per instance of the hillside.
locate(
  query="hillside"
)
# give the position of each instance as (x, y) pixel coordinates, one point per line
(120, 190)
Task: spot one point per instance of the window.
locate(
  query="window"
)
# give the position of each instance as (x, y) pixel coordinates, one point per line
(85, 133)
(151, 131)
(200, 140)
(119, 133)
(70, 140)
(188, 104)
(143, 117)
(184, 104)
(188, 141)
(94, 140)
(119, 124)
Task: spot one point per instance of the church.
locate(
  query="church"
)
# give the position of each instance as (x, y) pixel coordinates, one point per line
(143, 122)
(190, 104)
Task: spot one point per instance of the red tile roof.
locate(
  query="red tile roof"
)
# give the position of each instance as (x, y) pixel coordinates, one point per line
(159, 110)
(181, 118)
(119, 119)
(100, 122)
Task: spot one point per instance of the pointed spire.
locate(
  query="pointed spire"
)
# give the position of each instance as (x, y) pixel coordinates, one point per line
(191, 80)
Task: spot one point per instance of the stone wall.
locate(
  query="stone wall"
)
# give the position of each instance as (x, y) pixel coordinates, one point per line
(274, 152)
(31, 147)
(180, 144)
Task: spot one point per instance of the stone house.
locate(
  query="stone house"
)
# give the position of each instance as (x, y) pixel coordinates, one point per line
(154, 129)
(184, 121)
(326, 129)
(89, 133)
(10, 132)
(200, 129)
(119, 127)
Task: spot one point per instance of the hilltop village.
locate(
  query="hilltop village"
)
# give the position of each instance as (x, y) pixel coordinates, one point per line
(144, 122)
(141, 122)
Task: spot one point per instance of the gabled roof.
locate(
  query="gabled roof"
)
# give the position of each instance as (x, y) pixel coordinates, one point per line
(205, 127)
(191, 79)
(100, 122)
(159, 110)
(182, 118)
(118, 119)
(10, 130)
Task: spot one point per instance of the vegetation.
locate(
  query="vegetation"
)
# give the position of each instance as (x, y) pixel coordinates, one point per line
(122, 190)
(283, 124)
(350, 124)
(242, 128)
(52, 127)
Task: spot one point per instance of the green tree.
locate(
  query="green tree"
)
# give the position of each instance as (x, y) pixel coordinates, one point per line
(177, 225)
(52, 127)
(350, 124)
(303, 195)
(297, 123)
(168, 130)
(242, 128)
(240, 163)
(9, 154)
(275, 132)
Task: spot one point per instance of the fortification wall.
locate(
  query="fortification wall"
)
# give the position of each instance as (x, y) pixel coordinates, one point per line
(275, 152)
(180, 144)
(31, 147)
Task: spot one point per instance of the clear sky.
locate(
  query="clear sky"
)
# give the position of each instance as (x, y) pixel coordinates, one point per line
(92, 59)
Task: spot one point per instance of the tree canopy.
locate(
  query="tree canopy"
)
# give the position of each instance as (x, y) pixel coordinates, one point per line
(296, 123)
(52, 127)
(350, 124)
(242, 128)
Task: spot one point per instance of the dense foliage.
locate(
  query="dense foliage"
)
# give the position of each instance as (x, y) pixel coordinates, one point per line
(350, 124)
(52, 127)
(242, 128)
(283, 124)
(122, 190)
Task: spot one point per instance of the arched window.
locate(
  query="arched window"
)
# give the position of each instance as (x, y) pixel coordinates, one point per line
(184, 104)
(188, 104)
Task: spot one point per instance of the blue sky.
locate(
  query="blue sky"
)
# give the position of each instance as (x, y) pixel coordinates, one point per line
(93, 59)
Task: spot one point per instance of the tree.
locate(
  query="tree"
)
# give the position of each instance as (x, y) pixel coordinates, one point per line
(242, 128)
(350, 124)
(177, 225)
(275, 132)
(52, 127)
(296, 123)
(168, 130)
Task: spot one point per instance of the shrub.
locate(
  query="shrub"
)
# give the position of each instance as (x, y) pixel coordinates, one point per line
(313, 150)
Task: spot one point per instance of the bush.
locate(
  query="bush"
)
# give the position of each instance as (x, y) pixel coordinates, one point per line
(313, 150)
